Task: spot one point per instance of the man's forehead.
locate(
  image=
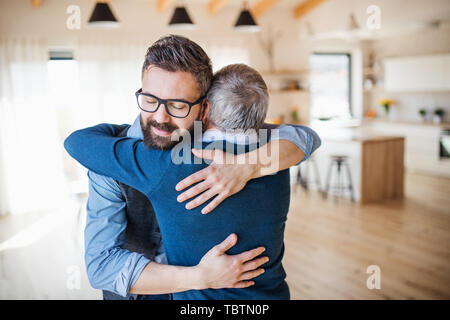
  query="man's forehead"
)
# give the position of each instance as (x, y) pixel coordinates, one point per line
(170, 84)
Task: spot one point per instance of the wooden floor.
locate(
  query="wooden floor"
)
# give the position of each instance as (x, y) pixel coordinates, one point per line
(329, 244)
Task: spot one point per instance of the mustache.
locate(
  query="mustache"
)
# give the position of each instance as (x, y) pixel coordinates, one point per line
(161, 126)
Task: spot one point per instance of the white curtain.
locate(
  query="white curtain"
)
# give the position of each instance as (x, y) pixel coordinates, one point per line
(103, 79)
(31, 173)
(109, 75)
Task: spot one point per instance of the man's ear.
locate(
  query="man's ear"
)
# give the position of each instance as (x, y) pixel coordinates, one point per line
(205, 111)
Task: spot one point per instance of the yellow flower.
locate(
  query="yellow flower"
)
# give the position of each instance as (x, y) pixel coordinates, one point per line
(386, 101)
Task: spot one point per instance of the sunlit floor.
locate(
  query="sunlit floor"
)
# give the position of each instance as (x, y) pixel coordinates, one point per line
(41, 256)
(329, 246)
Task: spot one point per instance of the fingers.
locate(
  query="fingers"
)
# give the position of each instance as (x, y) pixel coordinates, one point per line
(201, 199)
(249, 255)
(204, 154)
(251, 274)
(253, 264)
(226, 244)
(192, 192)
(193, 178)
(215, 202)
(243, 284)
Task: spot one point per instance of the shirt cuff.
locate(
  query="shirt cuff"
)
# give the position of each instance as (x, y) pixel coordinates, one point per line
(299, 137)
(130, 273)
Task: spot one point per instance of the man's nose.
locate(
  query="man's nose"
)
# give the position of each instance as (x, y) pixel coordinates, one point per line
(161, 115)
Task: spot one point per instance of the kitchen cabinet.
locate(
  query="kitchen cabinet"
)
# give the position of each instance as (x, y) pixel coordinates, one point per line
(420, 73)
(421, 144)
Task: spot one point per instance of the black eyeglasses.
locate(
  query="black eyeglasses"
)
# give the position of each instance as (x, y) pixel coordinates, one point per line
(175, 107)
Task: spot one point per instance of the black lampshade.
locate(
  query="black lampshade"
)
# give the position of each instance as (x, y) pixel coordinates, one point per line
(181, 19)
(246, 22)
(102, 16)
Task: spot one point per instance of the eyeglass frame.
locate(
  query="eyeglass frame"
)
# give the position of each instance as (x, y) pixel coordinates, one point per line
(164, 102)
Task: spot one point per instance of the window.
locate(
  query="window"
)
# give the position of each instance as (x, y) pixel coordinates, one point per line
(63, 79)
(330, 86)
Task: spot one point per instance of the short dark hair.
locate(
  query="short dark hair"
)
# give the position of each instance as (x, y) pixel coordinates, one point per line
(176, 53)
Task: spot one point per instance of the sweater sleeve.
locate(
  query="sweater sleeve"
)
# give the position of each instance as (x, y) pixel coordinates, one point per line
(121, 158)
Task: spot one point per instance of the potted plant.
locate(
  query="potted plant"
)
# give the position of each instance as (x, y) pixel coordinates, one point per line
(386, 104)
(438, 114)
(295, 114)
(423, 114)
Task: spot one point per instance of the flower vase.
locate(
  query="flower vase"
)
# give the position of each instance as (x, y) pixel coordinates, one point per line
(437, 119)
(386, 110)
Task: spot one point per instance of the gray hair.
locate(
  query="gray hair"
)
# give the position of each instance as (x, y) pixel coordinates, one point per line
(238, 98)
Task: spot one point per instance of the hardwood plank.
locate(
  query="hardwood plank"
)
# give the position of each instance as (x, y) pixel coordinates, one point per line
(382, 170)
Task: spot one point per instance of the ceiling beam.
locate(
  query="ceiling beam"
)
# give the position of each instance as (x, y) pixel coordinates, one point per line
(162, 5)
(262, 7)
(214, 6)
(305, 7)
(36, 3)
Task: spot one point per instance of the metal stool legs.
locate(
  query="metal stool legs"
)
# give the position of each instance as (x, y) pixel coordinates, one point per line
(341, 164)
(303, 180)
(350, 183)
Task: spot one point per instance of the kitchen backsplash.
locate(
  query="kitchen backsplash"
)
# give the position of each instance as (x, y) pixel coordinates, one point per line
(407, 105)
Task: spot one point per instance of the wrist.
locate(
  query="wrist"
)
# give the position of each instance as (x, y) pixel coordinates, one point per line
(197, 279)
(254, 170)
(251, 165)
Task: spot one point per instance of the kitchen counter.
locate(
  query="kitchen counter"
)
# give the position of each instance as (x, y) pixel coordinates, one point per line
(376, 160)
(352, 134)
(369, 121)
(422, 143)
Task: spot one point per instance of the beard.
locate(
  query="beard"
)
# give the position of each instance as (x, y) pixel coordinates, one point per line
(153, 140)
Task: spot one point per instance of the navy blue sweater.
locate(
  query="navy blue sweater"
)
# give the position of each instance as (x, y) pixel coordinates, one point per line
(257, 214)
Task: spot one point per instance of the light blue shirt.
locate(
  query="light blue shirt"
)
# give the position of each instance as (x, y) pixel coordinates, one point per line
(109, 266)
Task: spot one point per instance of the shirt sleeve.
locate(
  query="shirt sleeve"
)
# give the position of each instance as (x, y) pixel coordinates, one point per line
(305, 138)
(121, 158)
(109, 266)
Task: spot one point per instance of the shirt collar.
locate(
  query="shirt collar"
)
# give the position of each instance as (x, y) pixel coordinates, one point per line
(135, 131)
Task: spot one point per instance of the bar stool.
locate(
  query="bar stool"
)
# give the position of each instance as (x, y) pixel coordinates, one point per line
(340, 161)
(304, 179)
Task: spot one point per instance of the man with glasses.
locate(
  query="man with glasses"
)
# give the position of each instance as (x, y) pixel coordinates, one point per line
(124, 252)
